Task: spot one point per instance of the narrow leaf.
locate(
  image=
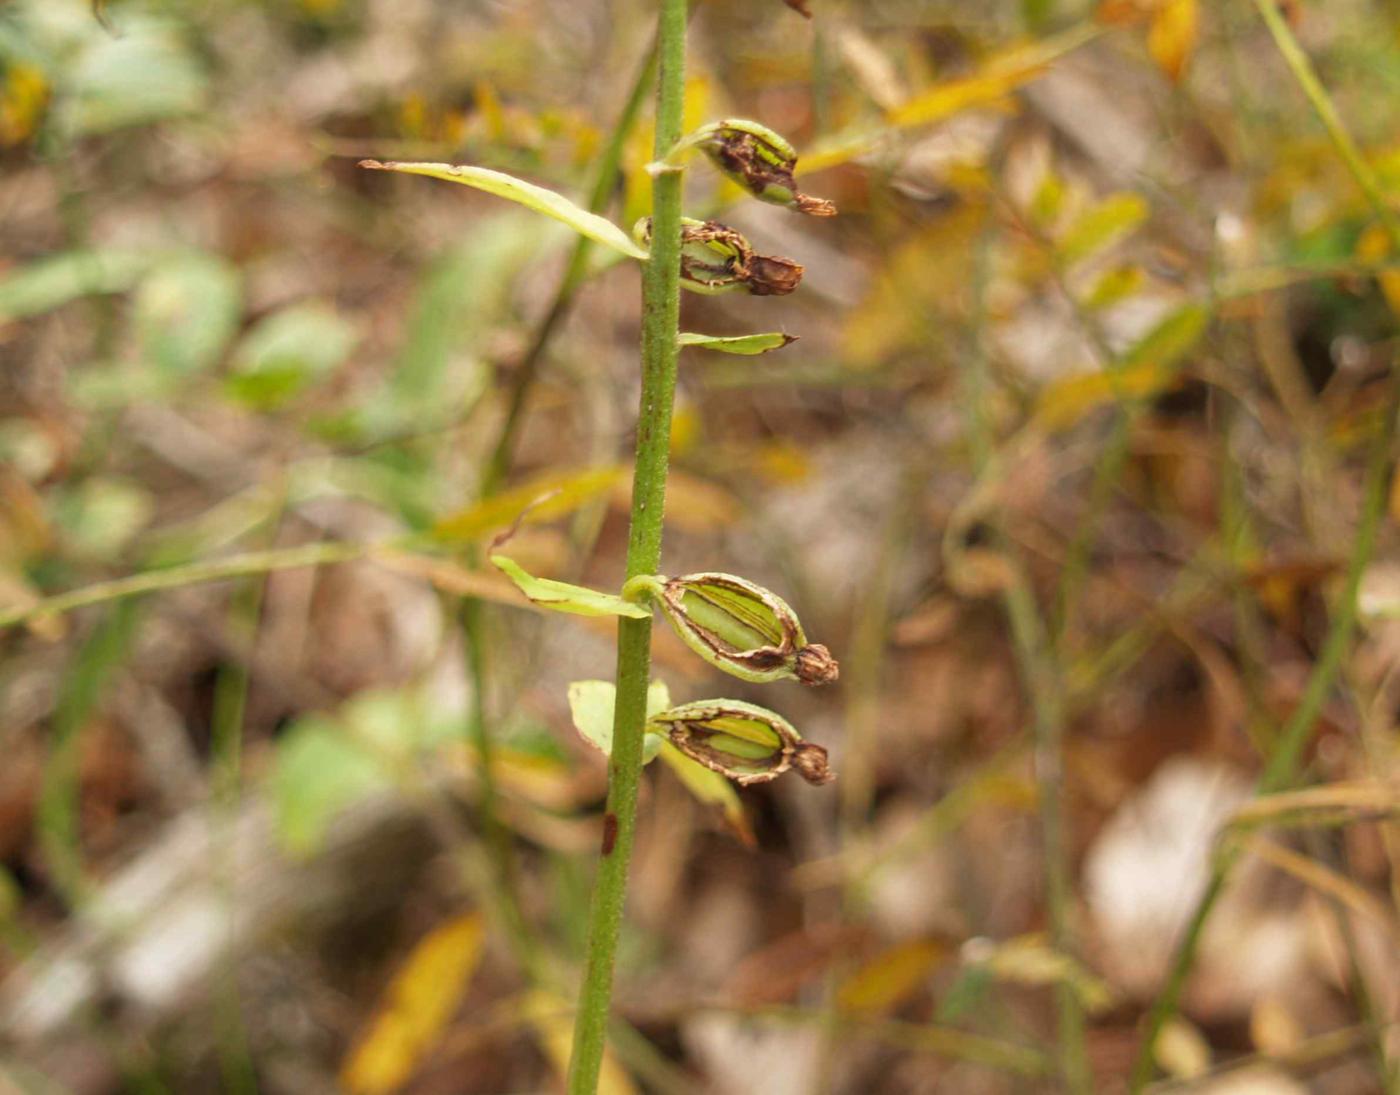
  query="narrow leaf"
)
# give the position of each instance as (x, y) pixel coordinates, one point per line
(1171, 38)
(416, 1008)
(1105, 224)
(1149, 367)
(563, 597)
(53, 281)
(710, 788)
(739, 344)
(538, 198)
(547, 497)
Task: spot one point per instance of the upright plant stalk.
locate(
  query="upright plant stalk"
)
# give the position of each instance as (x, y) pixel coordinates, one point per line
(471, 613)
(660, 319)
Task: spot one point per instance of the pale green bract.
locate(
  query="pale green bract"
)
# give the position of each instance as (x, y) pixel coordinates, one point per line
(738, 344)
(541, 200)
(564, 597)
(591, 704)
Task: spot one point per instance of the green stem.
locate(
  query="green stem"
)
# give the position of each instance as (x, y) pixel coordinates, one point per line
(208, 570)
(604, 183)
(472, 614)
(1302, 70)
(1281, 769)
(660, 322)
(1037, 663)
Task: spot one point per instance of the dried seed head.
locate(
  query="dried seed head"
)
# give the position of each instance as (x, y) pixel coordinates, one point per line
(742, 628)
(810, 762)
(772, 277)
(815, 665)
(717, 259)
(745, 742)
(760, 161)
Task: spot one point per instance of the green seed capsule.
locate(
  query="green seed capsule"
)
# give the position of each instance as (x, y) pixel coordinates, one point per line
(746, 743)
(746, 630)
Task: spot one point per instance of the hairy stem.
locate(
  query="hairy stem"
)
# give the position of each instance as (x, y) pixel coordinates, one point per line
(660, 321)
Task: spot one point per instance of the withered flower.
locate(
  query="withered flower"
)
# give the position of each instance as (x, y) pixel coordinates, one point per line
(745, 742)
(717, 259)
(740, 627)
(759, 160)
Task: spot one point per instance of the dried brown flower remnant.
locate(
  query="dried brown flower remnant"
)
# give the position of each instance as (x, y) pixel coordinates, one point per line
(717, 259)
(769, 276)
(815, 665)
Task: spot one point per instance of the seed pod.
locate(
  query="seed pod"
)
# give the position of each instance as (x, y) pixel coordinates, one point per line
(747, 743)
(717, 259)
(760, 161)
(742, 628)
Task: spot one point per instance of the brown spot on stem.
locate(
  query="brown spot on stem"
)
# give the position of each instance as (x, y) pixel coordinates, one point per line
(609, 833)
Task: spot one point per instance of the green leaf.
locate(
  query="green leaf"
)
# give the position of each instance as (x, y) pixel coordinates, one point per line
(546, 497)
(738, 344)
(563, 597)
(326, 763)
(541, 200)
(185, 312)
(288, 351)
(319, 772)
(142, 75)
(101, 515)
(52, 282)
(591, 704)
(1103, 225)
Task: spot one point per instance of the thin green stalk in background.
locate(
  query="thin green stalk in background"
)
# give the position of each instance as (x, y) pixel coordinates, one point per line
(1036, 661)
(660, 320)
(604, 183)
(472, 613)
(1281, 768)
(1322, 105)
(226, 726)
(59, 814)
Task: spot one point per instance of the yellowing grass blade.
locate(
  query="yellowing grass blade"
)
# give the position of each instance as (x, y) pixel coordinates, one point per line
(540, 199)
(415, 1008)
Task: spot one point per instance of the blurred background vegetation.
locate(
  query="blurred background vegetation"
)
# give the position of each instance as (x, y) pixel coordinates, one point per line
(1081, 467)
